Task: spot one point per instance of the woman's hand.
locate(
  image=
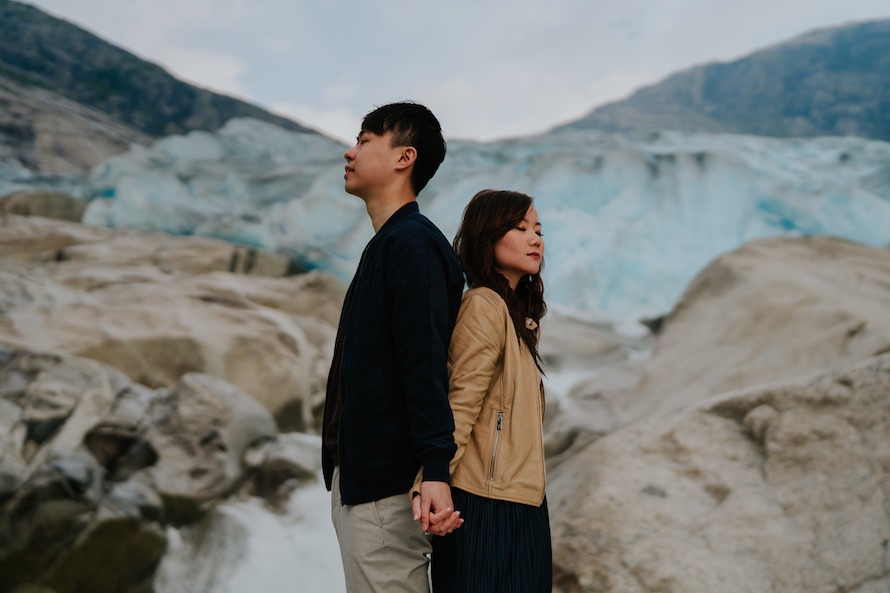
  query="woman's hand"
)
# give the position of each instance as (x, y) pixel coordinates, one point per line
(434, 509)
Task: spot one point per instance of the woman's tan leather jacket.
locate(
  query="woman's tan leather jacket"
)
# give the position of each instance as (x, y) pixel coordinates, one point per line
(497, 397)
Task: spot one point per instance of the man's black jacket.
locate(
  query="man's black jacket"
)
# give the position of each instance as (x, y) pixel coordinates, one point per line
(390, 363)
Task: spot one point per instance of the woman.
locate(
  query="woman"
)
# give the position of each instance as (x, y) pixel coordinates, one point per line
(496, 395)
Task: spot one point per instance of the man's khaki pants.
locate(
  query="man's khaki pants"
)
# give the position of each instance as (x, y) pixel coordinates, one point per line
(382, 547)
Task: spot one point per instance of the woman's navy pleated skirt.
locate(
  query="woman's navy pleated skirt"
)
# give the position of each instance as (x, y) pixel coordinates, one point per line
(502, 547)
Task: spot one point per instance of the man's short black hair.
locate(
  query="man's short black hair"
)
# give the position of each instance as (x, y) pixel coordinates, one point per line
(412, 124)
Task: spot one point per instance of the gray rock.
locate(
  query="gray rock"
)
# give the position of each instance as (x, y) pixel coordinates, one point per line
(201, 429)
(157, 307)
(283, 465)
(48, 204)
(95, 468)
(752, 455)
(772, 310)
(45, 131)
(780, 488)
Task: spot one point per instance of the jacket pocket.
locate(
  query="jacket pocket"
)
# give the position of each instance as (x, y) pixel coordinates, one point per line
(494, 446)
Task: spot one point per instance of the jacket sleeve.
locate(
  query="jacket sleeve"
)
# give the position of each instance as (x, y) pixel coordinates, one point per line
(477, 347)
(418, 306)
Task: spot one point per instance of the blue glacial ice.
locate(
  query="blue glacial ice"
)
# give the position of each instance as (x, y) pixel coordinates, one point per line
(628, 219)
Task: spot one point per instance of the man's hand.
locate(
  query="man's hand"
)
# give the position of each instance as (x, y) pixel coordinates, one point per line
(434, 509)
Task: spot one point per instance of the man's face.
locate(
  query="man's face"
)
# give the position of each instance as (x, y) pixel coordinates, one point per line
(370, 164)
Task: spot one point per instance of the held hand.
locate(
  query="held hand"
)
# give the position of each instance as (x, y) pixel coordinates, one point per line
(434, 509)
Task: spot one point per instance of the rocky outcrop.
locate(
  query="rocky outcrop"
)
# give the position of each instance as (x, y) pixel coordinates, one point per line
(752, 453)
(157, 307)
(48, 204)
(94, 468)
(192, 354)
(41, 130)
(780, 488)
(772, 310)
(748, 453)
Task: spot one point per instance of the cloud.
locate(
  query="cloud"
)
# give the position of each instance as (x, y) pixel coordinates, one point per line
(339, 123)
(220, 73)
(490, 68)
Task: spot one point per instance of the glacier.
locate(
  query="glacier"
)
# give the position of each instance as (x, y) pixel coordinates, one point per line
(629, 219)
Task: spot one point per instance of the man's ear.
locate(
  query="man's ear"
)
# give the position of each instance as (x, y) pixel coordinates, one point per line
(407, 157)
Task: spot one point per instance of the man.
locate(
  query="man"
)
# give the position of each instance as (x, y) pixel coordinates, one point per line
(386, 411)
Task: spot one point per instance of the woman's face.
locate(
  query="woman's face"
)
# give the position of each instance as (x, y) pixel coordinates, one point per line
(521, 250)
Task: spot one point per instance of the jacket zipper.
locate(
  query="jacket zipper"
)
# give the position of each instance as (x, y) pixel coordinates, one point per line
(358, 271)
(494, 448)
(541, 424)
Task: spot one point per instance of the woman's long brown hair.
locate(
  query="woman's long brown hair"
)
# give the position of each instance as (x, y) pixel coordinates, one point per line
(487, 218)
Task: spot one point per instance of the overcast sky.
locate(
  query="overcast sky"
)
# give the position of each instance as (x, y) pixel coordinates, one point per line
(489, 69)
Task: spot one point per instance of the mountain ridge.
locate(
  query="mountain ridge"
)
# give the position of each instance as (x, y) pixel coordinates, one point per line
(46, 62)
(828, 82)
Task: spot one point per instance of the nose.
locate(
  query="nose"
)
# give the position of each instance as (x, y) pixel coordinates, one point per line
(349, 154)
(535, 239)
